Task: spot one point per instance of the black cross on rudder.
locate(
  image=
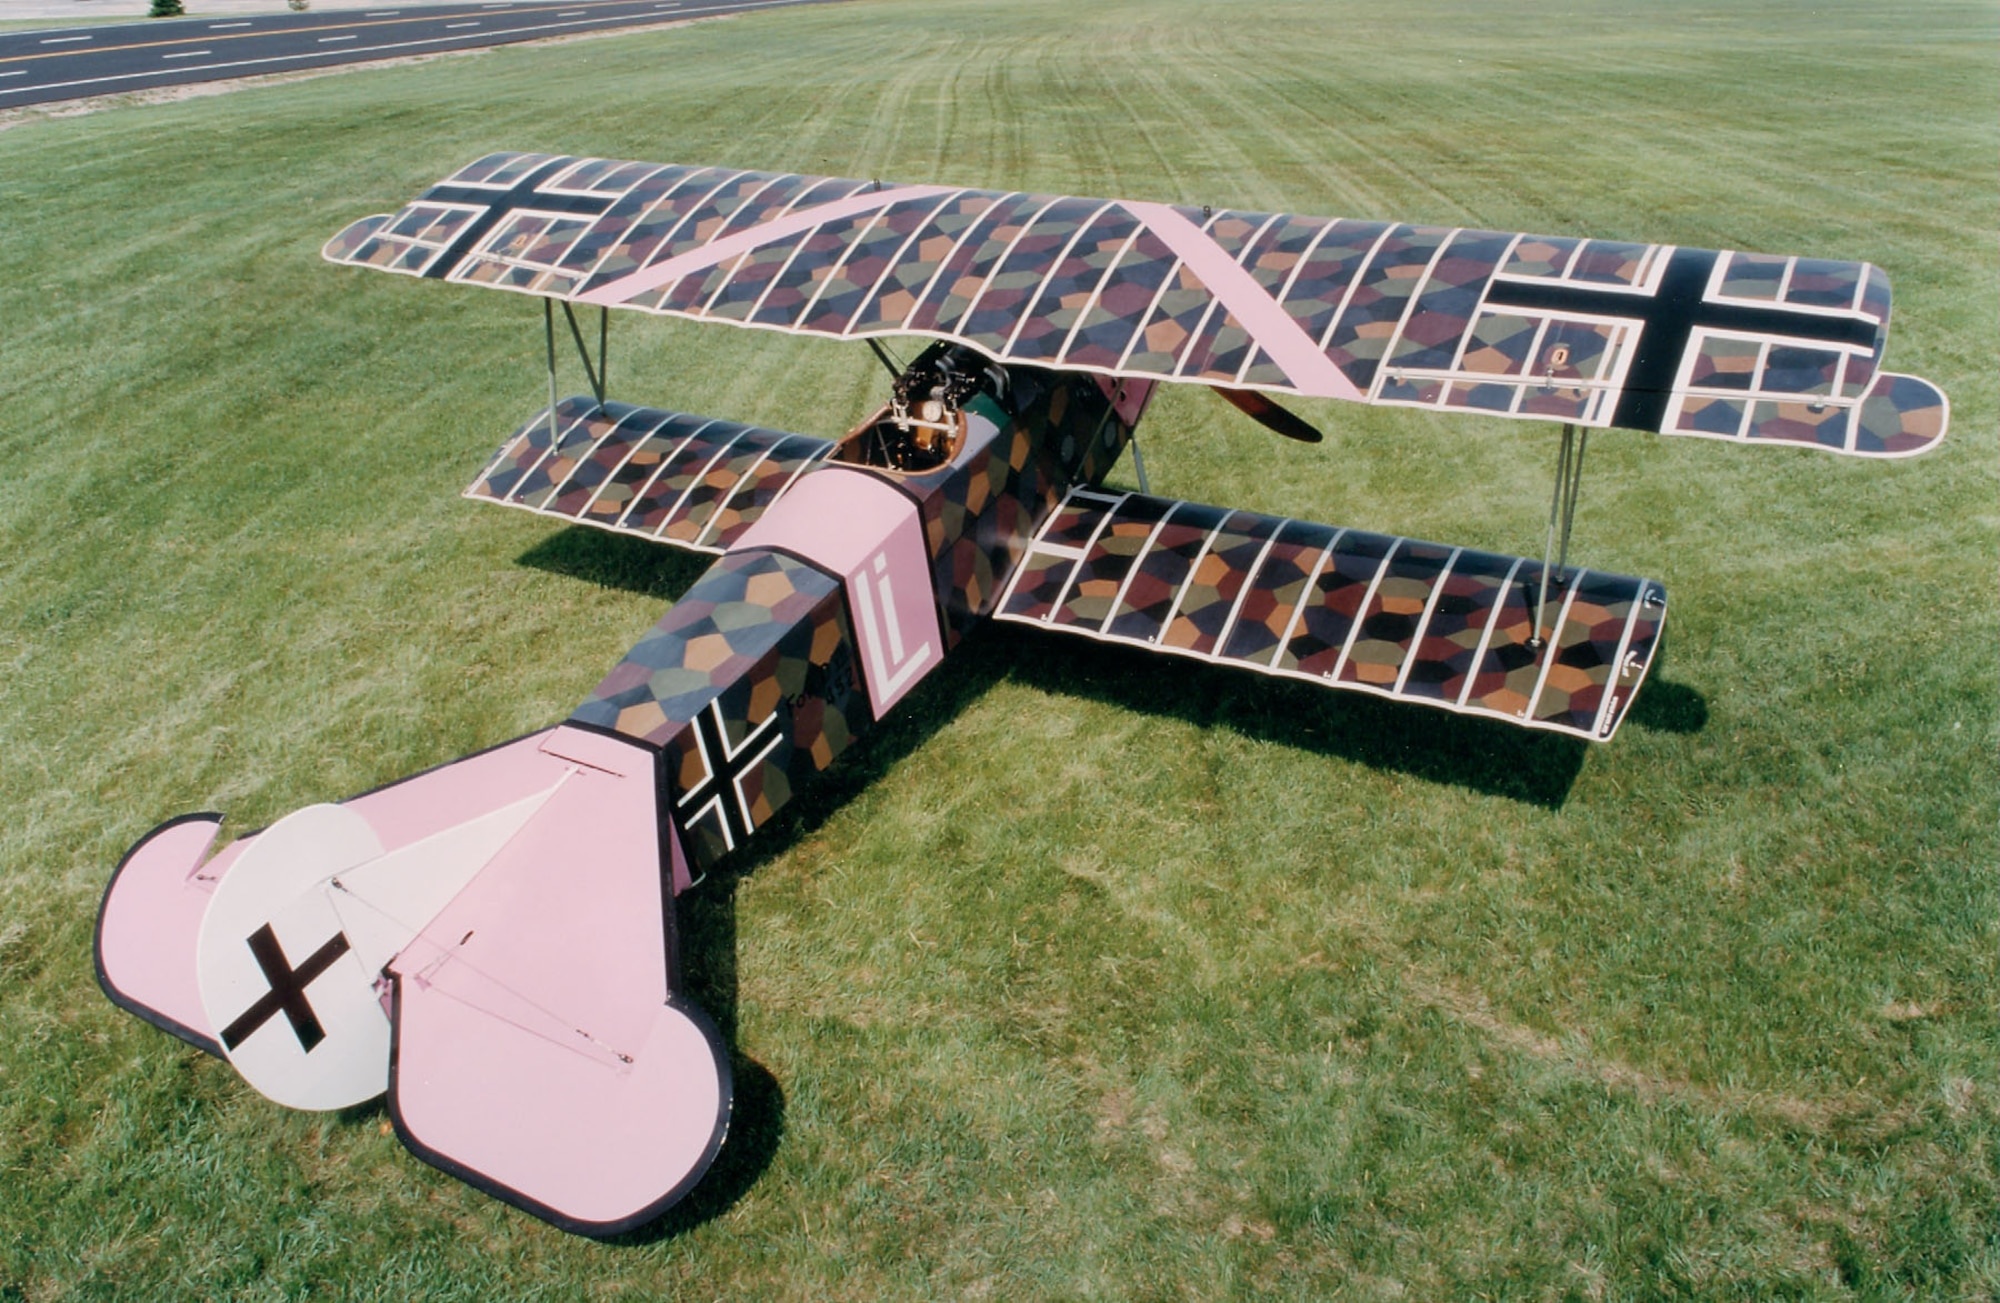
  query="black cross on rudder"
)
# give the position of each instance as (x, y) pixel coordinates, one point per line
(288, 990)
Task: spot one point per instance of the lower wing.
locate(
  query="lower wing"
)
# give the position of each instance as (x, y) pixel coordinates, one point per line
(1468, 631)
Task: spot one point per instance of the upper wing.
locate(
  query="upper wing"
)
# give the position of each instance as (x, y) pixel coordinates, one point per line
(1421, 622)
(691, 481)
(1736, 346)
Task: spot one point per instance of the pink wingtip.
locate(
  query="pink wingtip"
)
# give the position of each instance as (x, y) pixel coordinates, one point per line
(147, 925)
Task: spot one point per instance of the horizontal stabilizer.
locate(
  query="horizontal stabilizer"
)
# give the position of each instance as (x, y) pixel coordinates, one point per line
(491, 941)
(542, 1053)
(147, 925)
(1415, 621)
(594, 1136)
(1596, 332)
(690, 481)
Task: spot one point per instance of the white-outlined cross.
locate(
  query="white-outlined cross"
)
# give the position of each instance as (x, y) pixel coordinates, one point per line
(719, 791)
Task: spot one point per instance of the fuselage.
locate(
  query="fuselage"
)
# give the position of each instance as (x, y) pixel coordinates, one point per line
(853, 586)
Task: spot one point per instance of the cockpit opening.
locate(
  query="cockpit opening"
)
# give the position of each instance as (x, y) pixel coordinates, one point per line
(923, 426)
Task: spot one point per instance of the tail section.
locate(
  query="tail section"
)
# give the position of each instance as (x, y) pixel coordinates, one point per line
(491, 942)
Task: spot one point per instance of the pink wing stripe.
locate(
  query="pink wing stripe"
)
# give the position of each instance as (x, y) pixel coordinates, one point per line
(1269, 324)
(731, 246)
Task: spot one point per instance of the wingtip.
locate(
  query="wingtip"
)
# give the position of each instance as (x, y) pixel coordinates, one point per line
(345, 248)
(1902, 416)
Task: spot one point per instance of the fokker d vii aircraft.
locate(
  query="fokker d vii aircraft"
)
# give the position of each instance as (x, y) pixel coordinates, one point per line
(492, 942)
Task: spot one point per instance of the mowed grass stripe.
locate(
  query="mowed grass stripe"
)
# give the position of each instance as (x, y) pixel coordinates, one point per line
(1091, 974)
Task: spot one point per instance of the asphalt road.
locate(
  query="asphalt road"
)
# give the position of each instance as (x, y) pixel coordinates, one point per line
(37, 67)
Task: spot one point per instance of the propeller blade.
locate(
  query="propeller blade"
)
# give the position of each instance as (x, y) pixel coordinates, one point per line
(1268, 414)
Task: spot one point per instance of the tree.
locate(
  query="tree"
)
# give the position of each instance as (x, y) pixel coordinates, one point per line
(167, 9)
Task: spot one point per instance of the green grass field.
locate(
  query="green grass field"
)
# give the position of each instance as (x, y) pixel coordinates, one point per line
(1088, 976)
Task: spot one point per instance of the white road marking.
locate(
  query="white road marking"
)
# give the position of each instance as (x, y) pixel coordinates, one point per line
(351, 36)
(378, 51)
(63, 40)
(217, 27)
(187, 54)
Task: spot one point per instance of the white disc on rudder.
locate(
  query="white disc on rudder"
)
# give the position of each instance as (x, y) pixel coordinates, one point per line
(292, 1002)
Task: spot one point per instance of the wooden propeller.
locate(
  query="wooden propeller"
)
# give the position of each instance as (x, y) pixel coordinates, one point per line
(1268, 414)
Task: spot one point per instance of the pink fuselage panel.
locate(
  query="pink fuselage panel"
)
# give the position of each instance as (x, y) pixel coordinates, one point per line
(865, 532)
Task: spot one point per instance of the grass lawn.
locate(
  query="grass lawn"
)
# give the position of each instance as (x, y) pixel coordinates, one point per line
(1089, 975)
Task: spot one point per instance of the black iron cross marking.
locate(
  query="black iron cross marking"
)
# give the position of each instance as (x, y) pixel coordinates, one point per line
(726, 767)
(1669, 318)
(288, 990)
(499, 203)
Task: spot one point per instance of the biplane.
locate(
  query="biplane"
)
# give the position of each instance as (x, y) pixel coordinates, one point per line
(492, 943)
